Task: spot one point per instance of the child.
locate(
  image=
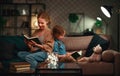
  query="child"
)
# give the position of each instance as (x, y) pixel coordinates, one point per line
(59, 47)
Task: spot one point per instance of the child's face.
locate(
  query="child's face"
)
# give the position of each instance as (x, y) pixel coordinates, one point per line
(61, 36)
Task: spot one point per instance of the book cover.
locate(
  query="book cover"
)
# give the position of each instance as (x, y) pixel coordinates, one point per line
(19, 68)
(76, 55)
(21, 71)
(19, 64)
(32, 38)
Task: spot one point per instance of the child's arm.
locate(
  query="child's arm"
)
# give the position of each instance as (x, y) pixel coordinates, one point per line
(61, 56)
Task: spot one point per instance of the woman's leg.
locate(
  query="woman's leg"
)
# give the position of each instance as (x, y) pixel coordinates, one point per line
(34, 58)
(23, 54)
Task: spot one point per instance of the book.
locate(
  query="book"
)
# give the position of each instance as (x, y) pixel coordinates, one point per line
(19, 64)
(76, 54)
(19, 68)
(32, 38)
(21, 71)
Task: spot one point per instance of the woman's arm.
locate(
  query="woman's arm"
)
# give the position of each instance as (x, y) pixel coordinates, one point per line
(30, 45)
(48, 41)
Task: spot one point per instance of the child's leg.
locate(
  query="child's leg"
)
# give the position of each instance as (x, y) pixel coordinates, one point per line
(83, 59)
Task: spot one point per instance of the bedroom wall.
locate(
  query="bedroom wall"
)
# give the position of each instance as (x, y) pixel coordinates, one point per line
(59, 11)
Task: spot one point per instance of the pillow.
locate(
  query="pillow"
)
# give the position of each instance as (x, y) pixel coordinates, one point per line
(94, 42)
(21, 46)
(108, 56)
(6, 50)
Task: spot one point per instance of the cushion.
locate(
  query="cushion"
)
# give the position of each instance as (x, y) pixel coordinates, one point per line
(17, 40)
(94, 42)
(108, 56)
(76, 43)
(7, 50)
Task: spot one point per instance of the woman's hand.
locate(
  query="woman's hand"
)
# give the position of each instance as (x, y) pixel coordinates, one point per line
(33, 43)
(30, 47)
(36, 44)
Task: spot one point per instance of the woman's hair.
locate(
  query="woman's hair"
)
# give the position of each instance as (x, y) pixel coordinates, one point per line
(45, 16)
(58, 30)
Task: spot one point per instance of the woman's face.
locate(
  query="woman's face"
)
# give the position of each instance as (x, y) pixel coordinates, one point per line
(42, 23)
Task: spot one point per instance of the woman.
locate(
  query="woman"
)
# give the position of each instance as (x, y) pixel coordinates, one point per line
(38, 52)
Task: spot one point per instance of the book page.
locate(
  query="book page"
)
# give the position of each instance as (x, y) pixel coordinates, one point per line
(80, 52)
(36, 39)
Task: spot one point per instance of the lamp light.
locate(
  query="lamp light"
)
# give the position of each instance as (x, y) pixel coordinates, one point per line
(107, 10)
(98, 26)
(98, 22)
(98, 18)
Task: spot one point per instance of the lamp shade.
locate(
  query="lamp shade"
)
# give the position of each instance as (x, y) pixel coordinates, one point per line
(106, 10)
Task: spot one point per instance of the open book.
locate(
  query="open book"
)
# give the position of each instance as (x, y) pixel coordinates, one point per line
(32, 38)
(76, 54)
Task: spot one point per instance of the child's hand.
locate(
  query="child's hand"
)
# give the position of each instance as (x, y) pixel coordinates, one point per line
(68, 54)
(57, 55)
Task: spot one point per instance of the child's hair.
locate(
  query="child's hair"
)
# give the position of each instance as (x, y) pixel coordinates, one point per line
(58, 30)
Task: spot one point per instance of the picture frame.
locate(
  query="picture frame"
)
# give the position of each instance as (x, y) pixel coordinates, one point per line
(76, 23)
